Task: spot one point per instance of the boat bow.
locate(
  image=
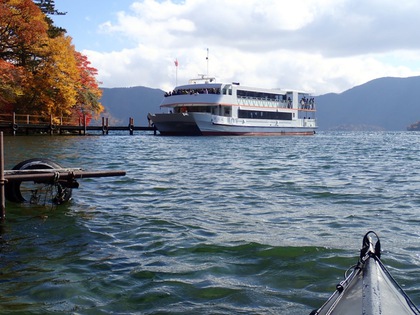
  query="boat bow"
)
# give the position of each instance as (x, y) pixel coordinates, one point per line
(369, 289)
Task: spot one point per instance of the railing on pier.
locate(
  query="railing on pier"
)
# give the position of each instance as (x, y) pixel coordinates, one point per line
(17, 123)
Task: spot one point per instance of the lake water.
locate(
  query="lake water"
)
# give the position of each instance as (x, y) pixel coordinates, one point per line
(210, 225)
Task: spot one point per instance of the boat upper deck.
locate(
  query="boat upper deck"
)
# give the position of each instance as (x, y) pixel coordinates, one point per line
(208, 91)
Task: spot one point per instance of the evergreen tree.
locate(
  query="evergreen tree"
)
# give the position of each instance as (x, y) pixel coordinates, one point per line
(48, 8)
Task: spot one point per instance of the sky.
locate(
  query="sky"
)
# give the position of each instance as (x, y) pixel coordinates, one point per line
(320, 46)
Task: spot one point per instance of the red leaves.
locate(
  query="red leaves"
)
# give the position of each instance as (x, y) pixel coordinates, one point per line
(38, 73)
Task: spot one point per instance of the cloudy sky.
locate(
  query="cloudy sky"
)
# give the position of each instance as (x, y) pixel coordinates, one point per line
(320, 46)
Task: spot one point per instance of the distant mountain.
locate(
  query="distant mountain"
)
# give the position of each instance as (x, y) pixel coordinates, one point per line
(136, 102)
(380, 104)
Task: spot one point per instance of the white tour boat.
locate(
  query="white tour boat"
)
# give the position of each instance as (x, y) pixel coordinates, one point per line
(206, 107)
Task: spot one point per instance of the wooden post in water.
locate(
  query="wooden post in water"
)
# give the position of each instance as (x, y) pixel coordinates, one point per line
(2, 181)
(51, 125)
(84, 124)
(131, 126)
(27, 122)
(103, 125)
(14, 124)
(80, 123)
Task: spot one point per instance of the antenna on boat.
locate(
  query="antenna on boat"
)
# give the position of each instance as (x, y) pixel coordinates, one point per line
(207, 59)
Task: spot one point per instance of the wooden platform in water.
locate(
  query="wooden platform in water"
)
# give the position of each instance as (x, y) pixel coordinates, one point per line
(31, 124)
(47, 175)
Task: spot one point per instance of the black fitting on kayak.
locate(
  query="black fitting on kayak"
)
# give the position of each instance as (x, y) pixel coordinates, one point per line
(368, 248)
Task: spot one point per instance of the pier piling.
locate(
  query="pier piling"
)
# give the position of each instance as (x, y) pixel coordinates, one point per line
(2, 180)
(131, 126)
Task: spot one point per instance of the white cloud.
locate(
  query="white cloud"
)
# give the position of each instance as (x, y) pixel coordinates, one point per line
(319, 45)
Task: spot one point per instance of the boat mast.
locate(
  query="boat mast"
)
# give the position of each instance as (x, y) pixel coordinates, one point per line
(176, 71)
(207, 59)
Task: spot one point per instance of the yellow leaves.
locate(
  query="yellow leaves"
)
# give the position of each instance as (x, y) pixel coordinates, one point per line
(58, 76)
(9, 84)
(49, 76)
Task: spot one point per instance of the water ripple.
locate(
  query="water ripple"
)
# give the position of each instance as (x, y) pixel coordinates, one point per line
(203, 225)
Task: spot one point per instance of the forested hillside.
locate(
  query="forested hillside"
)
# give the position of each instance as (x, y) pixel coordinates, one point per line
(381, 104)
(135, 102)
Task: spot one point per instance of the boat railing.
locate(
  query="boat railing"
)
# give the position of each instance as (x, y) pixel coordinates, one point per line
(309, 107)
(307, 103)
(202, 79)
(256, 101)
(193, 91)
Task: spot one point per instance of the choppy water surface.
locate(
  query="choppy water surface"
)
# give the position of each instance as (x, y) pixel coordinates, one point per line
(210, 225)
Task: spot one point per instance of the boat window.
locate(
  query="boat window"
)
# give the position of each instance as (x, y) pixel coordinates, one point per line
(256, 114)
(227, 90)
(261, 95)
(193, 109)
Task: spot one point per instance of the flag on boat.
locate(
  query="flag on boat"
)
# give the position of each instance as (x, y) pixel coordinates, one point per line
(176, 62)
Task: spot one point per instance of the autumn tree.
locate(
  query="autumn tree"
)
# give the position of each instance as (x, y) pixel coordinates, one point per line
(10, 80)
(21, 29)
(40, 70)
(54, 88)
(88, 93)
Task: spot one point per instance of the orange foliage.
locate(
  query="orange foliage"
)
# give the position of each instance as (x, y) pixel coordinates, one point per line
(10, 78)
(89, 92)
(40, 74)
(23, 30)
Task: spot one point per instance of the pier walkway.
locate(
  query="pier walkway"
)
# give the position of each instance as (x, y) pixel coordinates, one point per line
(35, 124)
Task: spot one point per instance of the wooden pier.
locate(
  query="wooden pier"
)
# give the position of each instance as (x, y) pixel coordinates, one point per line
(33, 124)
(46, 175)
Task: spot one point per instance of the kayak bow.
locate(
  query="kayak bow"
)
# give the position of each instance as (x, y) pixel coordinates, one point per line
(369, 289)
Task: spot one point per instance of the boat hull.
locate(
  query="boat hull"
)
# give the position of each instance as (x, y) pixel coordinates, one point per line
(205, 124)
(175, 124)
